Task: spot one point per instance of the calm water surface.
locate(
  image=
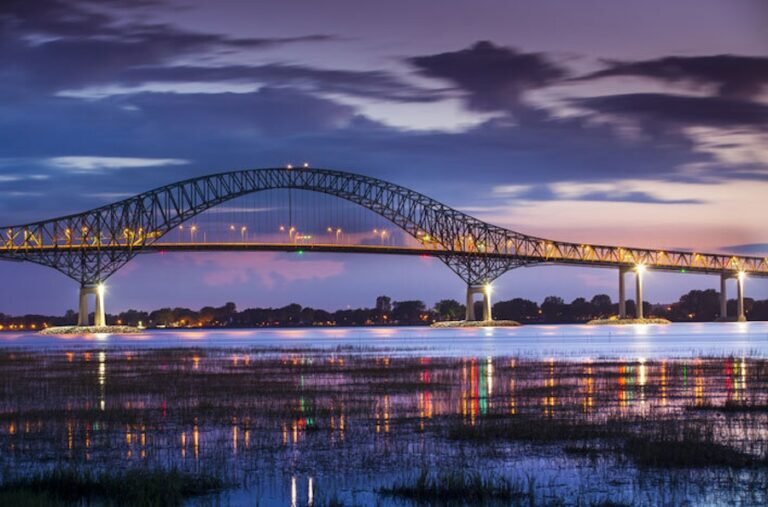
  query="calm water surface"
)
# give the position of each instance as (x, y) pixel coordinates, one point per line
(541, 341)
(306, 416)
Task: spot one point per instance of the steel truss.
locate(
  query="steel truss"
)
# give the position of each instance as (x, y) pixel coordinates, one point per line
(91, 246)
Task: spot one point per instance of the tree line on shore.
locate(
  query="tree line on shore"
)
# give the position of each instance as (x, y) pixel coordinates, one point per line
(695, 306)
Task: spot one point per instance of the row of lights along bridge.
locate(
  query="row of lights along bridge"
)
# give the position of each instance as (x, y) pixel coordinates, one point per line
(336, 234)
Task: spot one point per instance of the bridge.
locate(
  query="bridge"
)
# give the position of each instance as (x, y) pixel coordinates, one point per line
(91, 246)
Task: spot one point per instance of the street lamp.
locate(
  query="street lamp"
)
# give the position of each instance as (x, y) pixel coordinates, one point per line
(243, 229)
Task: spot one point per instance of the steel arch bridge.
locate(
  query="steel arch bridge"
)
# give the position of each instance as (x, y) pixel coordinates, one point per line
(91, 246)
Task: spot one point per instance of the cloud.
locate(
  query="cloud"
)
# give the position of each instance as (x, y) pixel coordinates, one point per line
(608, 191)
(654, 109)
(8, 178)
(57, 45)
(85, 164)
(733, 76)
(631, 191)
(375, 84)
(748, 249)
(492, 77)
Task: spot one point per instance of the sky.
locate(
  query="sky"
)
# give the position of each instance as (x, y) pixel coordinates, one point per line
(604, 121)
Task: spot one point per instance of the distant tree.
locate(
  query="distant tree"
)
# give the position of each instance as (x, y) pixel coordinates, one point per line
(408, 311)
(700, 305)
(759, 310)
(383, 309)
(553, 309)
(383, 304)
(521, 310)
(226, 313)
(133, 317)
(602, 306)
(290, 314)
(161, 317)
(449, 309)
(322, 317)
(189, 317)
(733, 307)
(70, 317)
(307, 316)
(580, 310)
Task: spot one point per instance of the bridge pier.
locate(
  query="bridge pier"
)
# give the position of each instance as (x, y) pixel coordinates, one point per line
(639, 270)
(740, 315)
(99, 317)
(723, 296)
(485, 290)
(622, 294)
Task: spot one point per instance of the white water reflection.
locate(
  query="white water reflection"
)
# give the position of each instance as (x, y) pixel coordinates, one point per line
(534, 341)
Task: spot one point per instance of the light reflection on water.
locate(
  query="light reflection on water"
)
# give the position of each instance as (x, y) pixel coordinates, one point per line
(298, 426)
(558, 341)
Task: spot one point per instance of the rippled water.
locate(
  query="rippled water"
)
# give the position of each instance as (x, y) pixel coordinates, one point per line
(300, 417)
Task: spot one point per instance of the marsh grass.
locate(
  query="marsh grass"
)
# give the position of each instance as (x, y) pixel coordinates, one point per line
(63, 486)
(459, 488)
(241, 414)
(732, 406)
(533, 430)
(687, 452)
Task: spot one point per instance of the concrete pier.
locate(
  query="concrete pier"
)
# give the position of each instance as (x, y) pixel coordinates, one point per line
(724, 296)
(622, 293)
(740, 315)
(99, 317)
(639, 270)
(485, 290)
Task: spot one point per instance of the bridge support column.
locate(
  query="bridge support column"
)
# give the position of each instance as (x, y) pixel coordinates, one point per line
(723, 296)
(82, 316)
(470, 312)
(485, 290)
(99, 317)
(639, 270)
(487, 316)
(740, 316)
(622, 293)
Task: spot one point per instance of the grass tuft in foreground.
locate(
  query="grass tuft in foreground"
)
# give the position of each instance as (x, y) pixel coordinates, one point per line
(64, 486)
(687, 453)
(460, 488)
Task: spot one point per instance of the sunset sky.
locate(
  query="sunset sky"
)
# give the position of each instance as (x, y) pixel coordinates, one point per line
(605, 121)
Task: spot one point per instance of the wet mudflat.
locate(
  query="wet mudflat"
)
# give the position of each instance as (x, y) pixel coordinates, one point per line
(356, 427)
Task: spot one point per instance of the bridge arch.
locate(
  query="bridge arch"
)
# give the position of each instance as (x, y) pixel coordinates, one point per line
(82, 246)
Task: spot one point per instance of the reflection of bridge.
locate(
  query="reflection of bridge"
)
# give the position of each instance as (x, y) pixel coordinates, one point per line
(91, 246)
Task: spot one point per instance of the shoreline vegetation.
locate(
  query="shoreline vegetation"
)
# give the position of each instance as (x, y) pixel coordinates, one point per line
(695, 306)
(627, 322)
(475, 323)
(57, 330)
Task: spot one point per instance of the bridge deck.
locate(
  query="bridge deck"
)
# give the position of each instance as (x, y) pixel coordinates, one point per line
(162, 247)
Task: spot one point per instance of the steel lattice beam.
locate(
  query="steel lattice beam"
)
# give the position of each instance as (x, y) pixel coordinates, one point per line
(92, 245)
